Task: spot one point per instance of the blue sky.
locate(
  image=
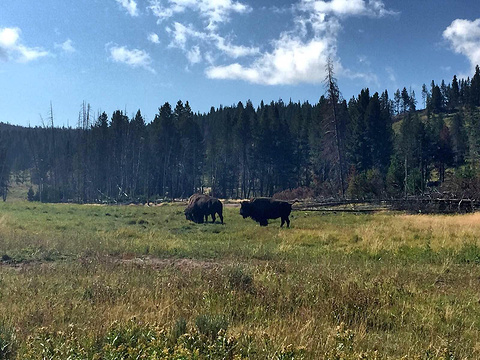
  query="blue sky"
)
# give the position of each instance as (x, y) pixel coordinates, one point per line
(138, 54)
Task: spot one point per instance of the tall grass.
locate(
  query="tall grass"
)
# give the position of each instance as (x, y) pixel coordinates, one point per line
(98, 282)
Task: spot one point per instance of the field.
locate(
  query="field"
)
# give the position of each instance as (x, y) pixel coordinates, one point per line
(133, 282)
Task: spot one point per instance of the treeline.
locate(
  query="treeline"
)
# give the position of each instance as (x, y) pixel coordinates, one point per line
(369, 146)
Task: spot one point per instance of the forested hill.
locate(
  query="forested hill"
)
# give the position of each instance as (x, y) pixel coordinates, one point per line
(372, 145)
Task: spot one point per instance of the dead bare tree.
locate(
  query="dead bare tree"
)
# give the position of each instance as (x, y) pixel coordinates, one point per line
(333, 94)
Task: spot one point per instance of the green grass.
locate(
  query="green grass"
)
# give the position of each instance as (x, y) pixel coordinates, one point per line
(112, 282)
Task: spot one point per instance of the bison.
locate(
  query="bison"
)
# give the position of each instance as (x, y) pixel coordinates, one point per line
(200, 206)
(262, 209)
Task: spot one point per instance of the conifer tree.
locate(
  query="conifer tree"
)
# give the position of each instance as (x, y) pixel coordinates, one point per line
(137, 139)
(459, 139)
(425, 95)
(358, 144)
(406, 102)
(475, 88)
(411, 148)
(379, 137)
(437, 100)
(4, 167)
(454, 94)
(397, 98)
(101, 166)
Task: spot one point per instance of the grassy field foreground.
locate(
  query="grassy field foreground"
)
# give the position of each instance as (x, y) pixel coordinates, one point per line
(98, 282)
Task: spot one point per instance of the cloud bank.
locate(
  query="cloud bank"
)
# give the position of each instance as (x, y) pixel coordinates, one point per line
(297, 55)
(300, 55)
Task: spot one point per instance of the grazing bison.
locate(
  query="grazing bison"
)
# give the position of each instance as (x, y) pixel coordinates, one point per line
(188, 210)
(200, 206)
(262, 209)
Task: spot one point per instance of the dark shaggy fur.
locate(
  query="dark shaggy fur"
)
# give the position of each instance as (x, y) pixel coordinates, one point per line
(262, 209)
(200, 206)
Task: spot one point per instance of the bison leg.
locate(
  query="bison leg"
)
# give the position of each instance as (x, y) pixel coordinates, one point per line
(213, 217)
(221, 217)
(199, 218)
(287, 220)
(263, 222)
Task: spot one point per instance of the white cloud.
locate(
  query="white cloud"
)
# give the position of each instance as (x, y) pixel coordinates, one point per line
(207, 39)
(279, 9)
(292, 61)
(160, 11)
(234, 51)
(130, 6)
(337, 7)
(9, 37)
(344, 8)
(11, 47)
(300, 55)
(154, 38)
(209, 58)
(296, 56)
(66, 46)
(134, 58)
(214, 11)
(181, 34)
(464, 38)
(194, 55)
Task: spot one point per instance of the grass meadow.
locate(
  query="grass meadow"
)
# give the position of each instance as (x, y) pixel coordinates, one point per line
(134, 282)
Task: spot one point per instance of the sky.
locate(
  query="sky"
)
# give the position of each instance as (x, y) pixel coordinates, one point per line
(139, 54)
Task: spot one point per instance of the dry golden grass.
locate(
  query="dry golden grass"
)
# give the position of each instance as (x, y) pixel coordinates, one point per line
(389, 232)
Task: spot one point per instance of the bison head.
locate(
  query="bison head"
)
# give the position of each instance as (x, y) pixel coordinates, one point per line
(189, 214)
(245, 209)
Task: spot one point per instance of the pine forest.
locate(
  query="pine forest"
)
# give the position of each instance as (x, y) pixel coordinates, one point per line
(372, 146)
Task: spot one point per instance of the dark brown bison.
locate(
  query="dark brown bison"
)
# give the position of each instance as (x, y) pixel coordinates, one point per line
(200, 206)
(262, 209)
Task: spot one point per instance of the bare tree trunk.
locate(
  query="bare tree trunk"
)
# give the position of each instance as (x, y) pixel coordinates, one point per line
(334, 97)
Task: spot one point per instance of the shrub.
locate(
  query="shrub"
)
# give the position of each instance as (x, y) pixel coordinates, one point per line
(210, 325)
(131, 340)
(366, 185)
(30, 194)
(414, 182)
